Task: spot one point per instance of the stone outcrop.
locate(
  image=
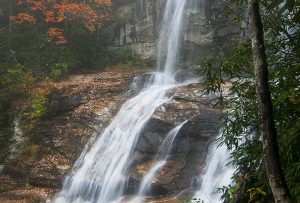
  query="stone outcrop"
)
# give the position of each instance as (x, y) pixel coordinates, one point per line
(88, 103)
(208, 32)
(83, 105)
(77, 107)
(187, 157)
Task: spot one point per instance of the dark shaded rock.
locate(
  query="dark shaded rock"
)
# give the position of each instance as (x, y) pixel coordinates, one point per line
(190, 147)
(150, 142)
(16, 171)
(158, 190)
(142, 81)
(60, 103)
(45, 181)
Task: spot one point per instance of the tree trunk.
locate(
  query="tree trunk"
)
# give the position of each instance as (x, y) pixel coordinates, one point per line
(269, 133)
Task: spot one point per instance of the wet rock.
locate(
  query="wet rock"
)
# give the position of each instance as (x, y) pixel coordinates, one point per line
(45, 181)
(79, 107)
(60, 103)
(34, 195)
(190, 147)
(58, 140)
(208, 32)
(142, 81)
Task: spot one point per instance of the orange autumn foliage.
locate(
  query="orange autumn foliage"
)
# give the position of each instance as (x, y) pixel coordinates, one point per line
(91, 14)
(56, 35)
(23, 18)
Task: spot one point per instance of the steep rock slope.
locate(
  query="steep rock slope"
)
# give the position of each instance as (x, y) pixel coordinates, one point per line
(82, 106)
(209, 33)
(78, 107)
(187, 156)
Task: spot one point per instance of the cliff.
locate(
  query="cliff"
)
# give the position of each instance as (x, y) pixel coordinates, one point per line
(208, 31)
(77, 108)
(80, 108)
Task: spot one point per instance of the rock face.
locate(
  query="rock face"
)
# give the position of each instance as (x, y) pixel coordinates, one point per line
(208, 32)
(85, 104)
(77, 107)
(187, 156)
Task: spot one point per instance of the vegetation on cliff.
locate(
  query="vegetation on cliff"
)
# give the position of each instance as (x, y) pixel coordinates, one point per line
(41, 41)
(242, 126)
(44, 40)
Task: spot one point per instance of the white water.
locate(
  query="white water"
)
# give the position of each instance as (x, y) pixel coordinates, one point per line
(18, 138)
(217, 174)
(160, 159)
(99, 175)
(18, 142)
(147, 180)
(170, 35)
(167, 144)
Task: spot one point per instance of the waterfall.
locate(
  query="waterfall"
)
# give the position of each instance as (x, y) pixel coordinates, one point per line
(166, 146)
(18, 138)
(170, 36)
(99, 175)
(146, 181)
(217, 175)
(160, 160)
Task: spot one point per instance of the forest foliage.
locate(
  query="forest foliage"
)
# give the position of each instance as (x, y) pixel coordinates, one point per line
(241, 126)
(45, 40)
(42, 40)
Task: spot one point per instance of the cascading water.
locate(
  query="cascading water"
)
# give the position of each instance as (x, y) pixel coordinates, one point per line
(160, 160)
(166, 146)
(146, 181)
(99, 175)
(170, 36)
(18, 138)
(217, 175)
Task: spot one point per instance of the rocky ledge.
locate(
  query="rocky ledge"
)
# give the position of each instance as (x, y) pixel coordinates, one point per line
(77, 107)
(179, 177)
(85, 104)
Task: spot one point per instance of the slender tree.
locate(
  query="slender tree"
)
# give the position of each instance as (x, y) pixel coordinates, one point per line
(269, 134)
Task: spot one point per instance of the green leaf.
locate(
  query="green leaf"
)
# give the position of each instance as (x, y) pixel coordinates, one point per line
(274, 4)
(296, 18)
(290, 4)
